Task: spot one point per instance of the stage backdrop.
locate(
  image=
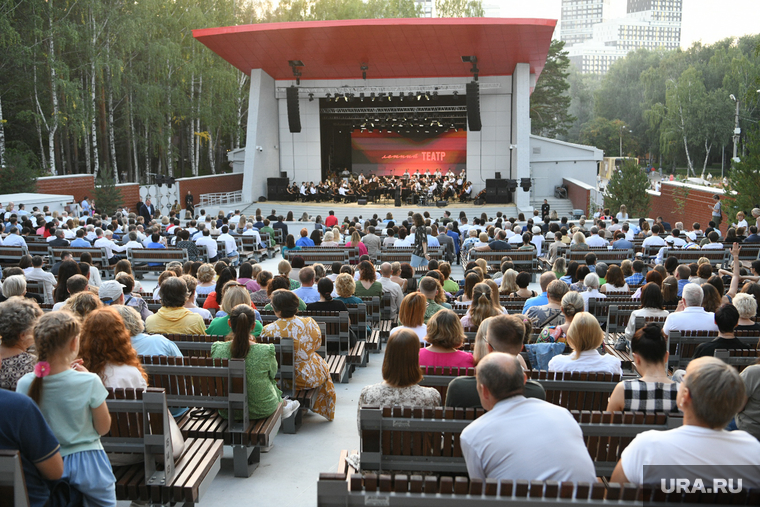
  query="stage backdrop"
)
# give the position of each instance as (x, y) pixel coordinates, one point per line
(392, 154)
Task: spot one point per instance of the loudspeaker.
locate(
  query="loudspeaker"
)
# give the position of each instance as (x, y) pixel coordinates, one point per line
(503, 191)
(491, 191)
(498, 176)
(512, 185)
(294, 112)
(362, 201)
(479, 202)
(442, 204)
(525, 184)
(283, 174)
(473, 106)
(262, 199)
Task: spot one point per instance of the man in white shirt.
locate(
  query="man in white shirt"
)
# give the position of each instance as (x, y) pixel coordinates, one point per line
(508, 443)
(404, 239)
(696, 233)
(210, 244)
(675, 235)
(234, 219)
(133, 243)
(654, 239)
(693, 317)
(516, 237)
(38, 275)
(711, 393)
(250, 230)
(714, 243)
(307, 292)
(14, 238)
(107, 243)
(230, 246)
(397, 295)
(464, 227)
(595, 240)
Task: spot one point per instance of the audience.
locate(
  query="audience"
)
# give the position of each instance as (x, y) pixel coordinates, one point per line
(173, 317)
(690, 316)
(411, 316)
(17, 318)
(585, 337)
(445, 336)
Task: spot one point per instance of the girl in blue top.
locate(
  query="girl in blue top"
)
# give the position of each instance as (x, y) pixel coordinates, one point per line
(73, 403)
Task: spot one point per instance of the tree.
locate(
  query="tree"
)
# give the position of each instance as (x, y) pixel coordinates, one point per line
(582, 89)
(604, 134)
(550, 101)
(19, 174)
(107, 195)
(744, 177)
(459, 8)
(629, 186)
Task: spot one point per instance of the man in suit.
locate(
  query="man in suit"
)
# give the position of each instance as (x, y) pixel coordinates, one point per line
(280, 224)
(147, 211)
(372, 242)
(545, 209)
(447, 242)
(59, 239)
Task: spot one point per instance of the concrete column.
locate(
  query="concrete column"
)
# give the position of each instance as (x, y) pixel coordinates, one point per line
(263, 130)
(521, 131)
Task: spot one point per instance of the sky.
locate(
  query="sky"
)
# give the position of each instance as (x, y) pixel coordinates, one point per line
(705, 20)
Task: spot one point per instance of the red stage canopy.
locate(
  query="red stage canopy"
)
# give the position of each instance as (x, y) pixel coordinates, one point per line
(392, 48)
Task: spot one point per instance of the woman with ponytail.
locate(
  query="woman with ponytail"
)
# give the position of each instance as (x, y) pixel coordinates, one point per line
(326, 302)
(73, 403)
(481, 307)
(264, 397)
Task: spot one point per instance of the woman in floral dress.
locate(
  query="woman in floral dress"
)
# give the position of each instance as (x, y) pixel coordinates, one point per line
(312, 371)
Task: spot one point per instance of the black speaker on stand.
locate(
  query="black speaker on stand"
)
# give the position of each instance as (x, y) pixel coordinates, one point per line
(294, 110)
(473, 107)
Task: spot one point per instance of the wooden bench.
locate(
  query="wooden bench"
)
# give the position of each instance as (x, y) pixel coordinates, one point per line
(522, 260)
(215, 384)
(740, 358)
(439, 377)
(602, 255)
(320, 255)
(718, 258)
(12, 484)
(340, 490)
(683, 344)
(250, 249)
(374, 314)
(415, 439)
(358, 354)
(576, 390)
(140, 425)
(748, 253)
(11, 255)
(141, 258)
(40, 249)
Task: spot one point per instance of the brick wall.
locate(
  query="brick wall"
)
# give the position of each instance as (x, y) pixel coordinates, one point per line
(678, 202)
(209, 184)
(130, 194)
(78, 185)
(579, 195)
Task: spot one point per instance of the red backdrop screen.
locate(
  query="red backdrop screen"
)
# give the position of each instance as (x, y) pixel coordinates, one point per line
(392, 154)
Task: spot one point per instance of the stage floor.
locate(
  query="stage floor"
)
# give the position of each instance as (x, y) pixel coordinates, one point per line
(353, 209)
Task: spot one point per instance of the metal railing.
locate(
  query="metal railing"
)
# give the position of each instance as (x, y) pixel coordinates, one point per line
(221, 198)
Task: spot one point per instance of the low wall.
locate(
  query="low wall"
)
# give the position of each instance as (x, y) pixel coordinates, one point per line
(130, 194)
(682, 202)
(579, 194)
(78, 185)
(209, 184)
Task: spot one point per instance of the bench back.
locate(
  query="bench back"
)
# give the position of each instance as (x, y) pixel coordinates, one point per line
(336, 326)
(161, 256)
(740, 358)
(716, 257)
(41, 249)
(576, 390)
(618, 316)
(321, 255)
(11, 255)
(140, 425)
(12, 484)
(202, 382)
(359, 319)
(522, 260)
(373, 308)
(602, 255)
(749, 252)
(439, 377)
(99, 255)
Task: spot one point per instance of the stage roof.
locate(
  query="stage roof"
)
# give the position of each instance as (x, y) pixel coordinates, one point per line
(392, 48)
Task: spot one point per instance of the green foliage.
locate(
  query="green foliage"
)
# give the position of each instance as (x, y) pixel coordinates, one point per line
(582, 91)
(629, 186)
(107, 195)
(744, 178)
(304, 10)
(459, 8)
(550, 101)
(19, 175)
(605, 135)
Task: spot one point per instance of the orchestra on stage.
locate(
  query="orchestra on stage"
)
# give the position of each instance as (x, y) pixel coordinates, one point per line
(413, 188)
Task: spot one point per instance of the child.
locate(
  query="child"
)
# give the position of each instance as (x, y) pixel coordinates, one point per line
(73, 403)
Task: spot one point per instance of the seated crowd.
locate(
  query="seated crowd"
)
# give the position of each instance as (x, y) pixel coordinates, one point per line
(60, 361)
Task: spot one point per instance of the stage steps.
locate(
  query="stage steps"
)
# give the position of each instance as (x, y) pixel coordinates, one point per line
(564, 207)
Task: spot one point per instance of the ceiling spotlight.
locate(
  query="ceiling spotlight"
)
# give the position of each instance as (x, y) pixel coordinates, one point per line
(373, 96)
(311, 97)
(327, 96)
(361, 97)
(456, 93)
(295, 65)
(390, 95)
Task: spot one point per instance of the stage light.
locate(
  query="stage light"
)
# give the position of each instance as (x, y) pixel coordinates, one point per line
(373, 96)
(311, 97)
(525, 184)
(390, 95)
(327, 96)
(361, 96)
(456, 93)
(364, 67)
(435, 95)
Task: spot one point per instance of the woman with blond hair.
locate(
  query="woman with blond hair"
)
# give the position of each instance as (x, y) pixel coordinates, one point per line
(284, 268)
(445, 336)
(585, 336)
(396, 275)
(356, 241)
(579, 242)
(329, 239)
(572, 304)
(495, 301)
(205, 276)
(509, 282)
(234, 295)
(481, 308)
(623, 213)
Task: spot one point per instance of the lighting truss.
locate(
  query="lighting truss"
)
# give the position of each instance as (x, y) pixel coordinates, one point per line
(368, 90)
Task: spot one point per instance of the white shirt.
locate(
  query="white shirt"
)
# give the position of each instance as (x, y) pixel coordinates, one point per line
(591, 293)
(14, 240)
(526, 439)
(201, 311)
(690, 446)
(677, 242)
(47, 279)
(653, 241)
(589, 361)
(402, 242)
(421, 331)
(229, 243)
(122, 375)
(596, 240)
(210, 245)
(539, 242)
(713, 246)
(630, 329)
(692, 318)
(133, 244)
(109, 245)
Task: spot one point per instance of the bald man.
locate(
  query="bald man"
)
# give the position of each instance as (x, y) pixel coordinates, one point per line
(397, 295)
(521, 438)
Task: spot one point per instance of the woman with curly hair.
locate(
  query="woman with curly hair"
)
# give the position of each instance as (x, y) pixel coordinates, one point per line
(17, 318)
(205, 276)
(445, 336)
(82, 304)
(367, 284)
(106, 350)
